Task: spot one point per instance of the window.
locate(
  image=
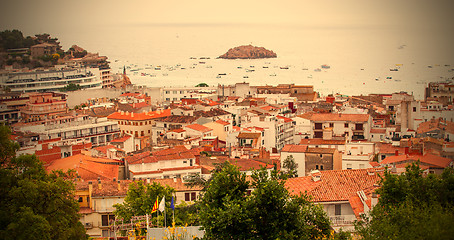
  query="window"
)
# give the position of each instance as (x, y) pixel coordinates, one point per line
(321, 167)
(316, 166)
(345, 125)
(331, 124)
(190, 196)
(318, 126)
(349, 166)
(81, 199)
(414, 109)
(337, 209)
(105, 219)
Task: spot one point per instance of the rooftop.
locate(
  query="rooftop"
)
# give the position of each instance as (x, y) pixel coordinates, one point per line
(334, 185)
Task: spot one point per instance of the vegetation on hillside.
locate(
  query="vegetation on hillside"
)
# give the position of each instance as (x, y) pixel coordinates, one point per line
(412, 206)
(33, 203)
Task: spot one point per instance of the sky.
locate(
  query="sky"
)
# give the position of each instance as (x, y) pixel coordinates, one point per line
(33, 16)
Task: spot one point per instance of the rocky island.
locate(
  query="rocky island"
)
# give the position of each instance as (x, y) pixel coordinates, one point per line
(248, 52)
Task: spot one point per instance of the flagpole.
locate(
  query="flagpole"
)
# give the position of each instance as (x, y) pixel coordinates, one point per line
(173, 208)
(165, 217)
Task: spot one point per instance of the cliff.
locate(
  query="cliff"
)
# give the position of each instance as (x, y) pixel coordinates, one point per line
(248, 52)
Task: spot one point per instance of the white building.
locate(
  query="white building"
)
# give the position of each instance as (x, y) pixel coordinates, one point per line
(357, 155)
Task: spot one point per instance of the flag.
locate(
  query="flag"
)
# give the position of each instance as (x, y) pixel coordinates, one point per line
(162, 204)
(172, 206)
(155, 206)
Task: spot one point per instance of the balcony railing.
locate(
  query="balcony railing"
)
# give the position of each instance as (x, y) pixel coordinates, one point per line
(341, 220)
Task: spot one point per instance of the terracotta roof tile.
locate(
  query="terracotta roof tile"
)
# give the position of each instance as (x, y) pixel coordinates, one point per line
(88, 168)
(121, 139)
(222, 122)
(319, 141)
(334, 185)
(199, 128)
(429, 159)
(320, 117)
(248, 135)
(294, 148)
(285, 119)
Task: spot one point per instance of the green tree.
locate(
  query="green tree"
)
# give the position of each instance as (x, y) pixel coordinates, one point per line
(412, 206)
(270, 212)
(201, 85)
(34, 204)
(140, 199)
(71, 87)
(290, 167)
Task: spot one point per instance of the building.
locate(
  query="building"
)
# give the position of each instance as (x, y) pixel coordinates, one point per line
(441, 91)
(43, 106)
(220, 128)
(169, 163)
(337, 191)
(339, 125)
(358, 155)
(43, 49)
(49, 80)
(137, 124)
(309, 158)
(432, 163)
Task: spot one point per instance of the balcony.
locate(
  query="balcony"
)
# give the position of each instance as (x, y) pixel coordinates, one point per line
(342, 220)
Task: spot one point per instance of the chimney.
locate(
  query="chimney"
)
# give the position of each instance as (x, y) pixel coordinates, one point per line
(396, 153)
(90, 191)
(374, 200)
(174, 179)
(114, 179)
(99, 183)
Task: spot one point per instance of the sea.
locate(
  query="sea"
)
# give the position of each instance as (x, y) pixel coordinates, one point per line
(360, 58)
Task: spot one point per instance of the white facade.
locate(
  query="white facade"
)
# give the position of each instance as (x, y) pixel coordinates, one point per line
(277, 132)
(50, 80)
(357, 155)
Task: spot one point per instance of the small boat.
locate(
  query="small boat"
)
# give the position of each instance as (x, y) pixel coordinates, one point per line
(326, 66)
(397, 80)
(377, 79)
(389, 77)
(284, 67)
(265, 67)
(201, 62)
(393, 69)
(305, 69)
(362, 69)
(250, 70)
(157, 68)
(273, 75)
(209, 66)
(239, 67)
(310, 76)
(222, 74)
(251, 66)
(192, 58)
(317, 70)
(245, 77)
(218, 76)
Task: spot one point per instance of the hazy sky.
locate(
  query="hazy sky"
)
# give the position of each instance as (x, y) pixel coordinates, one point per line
(33, 16)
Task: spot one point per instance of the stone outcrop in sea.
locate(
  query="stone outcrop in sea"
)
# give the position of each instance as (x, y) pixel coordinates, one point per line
(248, 52)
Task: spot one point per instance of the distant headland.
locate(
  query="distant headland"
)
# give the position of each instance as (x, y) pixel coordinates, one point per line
(248, 52)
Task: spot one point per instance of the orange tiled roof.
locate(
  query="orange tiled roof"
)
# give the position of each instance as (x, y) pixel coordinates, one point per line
(87, 167)
(104, 149)
(199, 127)
(121, 139)
(248, 135)
(285, 119)
(294, 148)
(335, 185)
(378, 130)
(139, 116)
(320, 117)
(222, 122)
(428, 158)
(320, 150)
(177, 130)
(356, 203)
(319, 141)
(388, 148)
